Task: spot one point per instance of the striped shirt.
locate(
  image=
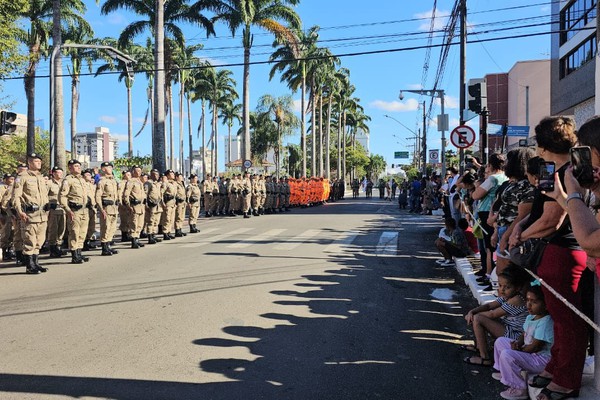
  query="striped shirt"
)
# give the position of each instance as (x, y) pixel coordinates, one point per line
(514, 319)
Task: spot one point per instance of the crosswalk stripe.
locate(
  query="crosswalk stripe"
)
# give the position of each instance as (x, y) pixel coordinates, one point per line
(341, 244)
(388, 243)
(214, 239)
(257, 239)
(296, 241)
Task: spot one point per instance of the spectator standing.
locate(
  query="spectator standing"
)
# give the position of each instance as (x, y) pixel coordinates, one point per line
(415, 196)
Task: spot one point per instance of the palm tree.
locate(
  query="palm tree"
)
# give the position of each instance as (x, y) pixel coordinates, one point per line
(281, 110)
(199, 92)
(160, 17)
(229, 114)
(262, 13)
(292, 63)
(39, 14)
(77, 57)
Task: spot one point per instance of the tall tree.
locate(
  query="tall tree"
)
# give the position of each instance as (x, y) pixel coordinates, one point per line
(160, 17)
(281, 110)
(230, 114)
(266, 14)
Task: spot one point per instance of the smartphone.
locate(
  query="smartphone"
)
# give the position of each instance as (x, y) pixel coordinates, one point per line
(547, 169)
(581, 160)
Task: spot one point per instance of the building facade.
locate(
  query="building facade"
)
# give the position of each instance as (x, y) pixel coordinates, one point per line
(96, 147)
(573, 57)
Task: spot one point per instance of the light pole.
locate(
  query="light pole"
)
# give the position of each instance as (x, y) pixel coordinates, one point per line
(417, 137)
(442, 119)
(111, 51)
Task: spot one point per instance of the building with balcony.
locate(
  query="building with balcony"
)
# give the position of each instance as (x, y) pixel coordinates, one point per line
(96, 147)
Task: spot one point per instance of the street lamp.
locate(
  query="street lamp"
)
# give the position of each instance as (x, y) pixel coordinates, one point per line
(442, 119)
(111, 51)
(417, 137)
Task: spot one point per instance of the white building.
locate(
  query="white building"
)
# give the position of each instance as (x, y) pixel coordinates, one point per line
(363, 138)
(96, 146)
(236, 144)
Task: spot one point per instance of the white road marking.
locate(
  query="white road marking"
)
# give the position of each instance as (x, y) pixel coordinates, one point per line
(388, 243)
(296, 241)
(256, 239)
(214, 239)
(341, 244)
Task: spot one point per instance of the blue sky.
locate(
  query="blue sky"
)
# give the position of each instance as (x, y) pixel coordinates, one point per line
(347, 26)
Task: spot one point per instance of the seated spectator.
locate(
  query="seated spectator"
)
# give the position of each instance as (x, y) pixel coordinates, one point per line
(503, 317)
(530, 352)
(468, 231)
(457, 247)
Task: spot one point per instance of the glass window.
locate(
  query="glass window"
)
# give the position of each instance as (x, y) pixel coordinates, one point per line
(578, 57)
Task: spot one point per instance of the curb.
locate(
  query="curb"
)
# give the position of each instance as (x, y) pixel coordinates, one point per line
(464, 267)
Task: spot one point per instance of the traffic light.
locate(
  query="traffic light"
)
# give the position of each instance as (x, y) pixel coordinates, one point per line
(7, 120)
(478, 92)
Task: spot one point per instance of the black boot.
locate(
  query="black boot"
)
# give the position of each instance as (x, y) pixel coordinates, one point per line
(7, 254)
(106, 250)
(207, 214)
(143, 235)
(55, 251)
(111, 249)
(166, 236)
(193, 229)
(151, 239)
(75, 258)
(37, 264)
(20, 261)
(179, 233)
(84, 258)
(86, 245)
(125, 237)
(135, 244)
(246, 215)
(255, 213)
(30, 267)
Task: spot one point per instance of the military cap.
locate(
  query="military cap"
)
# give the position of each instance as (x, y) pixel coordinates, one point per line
(34, 155)
(22, 165)
(73, 162)
(178, 174)
(6, 176)
(168, 171)
(193, 176)
(88, 171)
(144, 174)
(215, 177)
(154, 170)
(56, 168)
(106, 164)
(134, 166)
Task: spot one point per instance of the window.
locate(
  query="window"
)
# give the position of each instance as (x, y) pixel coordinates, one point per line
(575, 17)
(578, 57)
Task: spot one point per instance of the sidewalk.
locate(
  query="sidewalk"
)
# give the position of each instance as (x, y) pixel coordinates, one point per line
(464, 267)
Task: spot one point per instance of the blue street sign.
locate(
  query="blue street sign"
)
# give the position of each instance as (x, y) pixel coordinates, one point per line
(511, 130)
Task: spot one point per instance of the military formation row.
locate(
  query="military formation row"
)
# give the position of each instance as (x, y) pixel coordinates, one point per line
(37, 210)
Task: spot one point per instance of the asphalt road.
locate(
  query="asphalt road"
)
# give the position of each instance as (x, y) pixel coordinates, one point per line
(342, 301)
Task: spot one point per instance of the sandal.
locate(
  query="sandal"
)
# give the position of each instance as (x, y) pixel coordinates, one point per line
(552, 395)
(483, 362)
(540, 381)
(469, 347)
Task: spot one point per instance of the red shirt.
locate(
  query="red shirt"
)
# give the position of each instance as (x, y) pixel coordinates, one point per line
(471, 239)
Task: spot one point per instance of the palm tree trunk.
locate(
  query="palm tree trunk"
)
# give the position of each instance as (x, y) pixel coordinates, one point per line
(171, 138)
(29, 83)
(229, 141)
(203, 127)
(339, 147)
(303, 114)
(313, 124)
(328, 140)
(129, 119)
(190, 137)
(321, 135)
(74, 106)
(59, 112)
(216, 139)
(181, 89)
(246, 102)
(344, 145)
(159, 142)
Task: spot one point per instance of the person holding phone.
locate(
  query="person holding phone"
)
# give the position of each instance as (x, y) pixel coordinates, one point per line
(561, 266)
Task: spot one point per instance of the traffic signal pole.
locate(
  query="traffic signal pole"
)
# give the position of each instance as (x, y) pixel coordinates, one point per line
(463, 73)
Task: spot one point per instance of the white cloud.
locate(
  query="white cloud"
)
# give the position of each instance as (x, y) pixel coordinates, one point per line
(298, 106)
(119, 137)
(108, 119)
(441, 18)
(407, 105)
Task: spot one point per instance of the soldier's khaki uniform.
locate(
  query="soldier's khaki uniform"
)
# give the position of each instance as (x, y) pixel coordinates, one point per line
(193, 199)
(255, 190)
(262, 194)
(234, 194)
(207, 193)
(180, 206)
(269, 194)
(124, 214)
(91, 207)
(107, 199)
(276, 193)
(57, 220)
(286, 195)
(6, 236)
(134, 198)
(168, 216)
(154, 208)
(73, 198)
(30, 196)
(246, 186)
(223, 197)
(216, 196)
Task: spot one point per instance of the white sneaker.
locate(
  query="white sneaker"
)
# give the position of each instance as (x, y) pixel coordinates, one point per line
(497, 376)
(441, 261)
(515, 394)
(447, 263)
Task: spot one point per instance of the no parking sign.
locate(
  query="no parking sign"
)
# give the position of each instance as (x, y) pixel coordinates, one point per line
(434, 156)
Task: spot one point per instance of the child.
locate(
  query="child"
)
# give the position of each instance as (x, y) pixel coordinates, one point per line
(530, 352)
(457, 247)
(468, 231)
(503, 317)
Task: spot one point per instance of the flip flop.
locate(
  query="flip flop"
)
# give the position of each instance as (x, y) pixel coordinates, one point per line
(540, 381)
(552, 395)
(483, 362)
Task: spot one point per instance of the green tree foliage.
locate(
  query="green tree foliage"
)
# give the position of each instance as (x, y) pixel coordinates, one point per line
(375, 166)
(357, 158)
(13, 150)
(11, 59)
(127, 162)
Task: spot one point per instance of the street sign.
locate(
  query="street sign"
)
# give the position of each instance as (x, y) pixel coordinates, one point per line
(511, 130)
(247, 164)
(401, 154)
(462, 136)
(442, 122)
(434, 156)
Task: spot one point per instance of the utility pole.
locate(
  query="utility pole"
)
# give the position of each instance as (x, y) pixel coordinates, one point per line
(463, 73)
(424, 146)
(158, 148)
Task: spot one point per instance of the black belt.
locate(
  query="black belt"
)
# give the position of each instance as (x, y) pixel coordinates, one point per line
(31, 208)
(75, 206)
(53, 206)
(151, 203)
(179, 200)
(107, 202)
(168, 197)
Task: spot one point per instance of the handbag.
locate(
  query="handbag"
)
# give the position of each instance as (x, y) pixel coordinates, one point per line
(529, 254)
(477, 230)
